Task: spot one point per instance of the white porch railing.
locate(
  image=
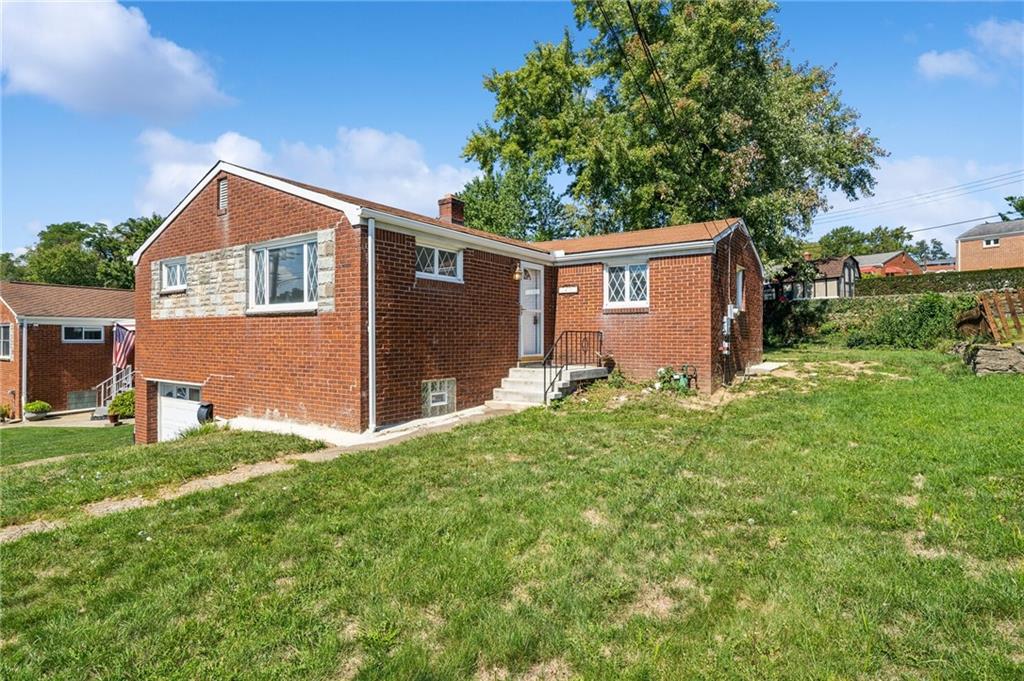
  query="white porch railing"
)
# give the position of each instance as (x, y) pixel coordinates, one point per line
(122, 380)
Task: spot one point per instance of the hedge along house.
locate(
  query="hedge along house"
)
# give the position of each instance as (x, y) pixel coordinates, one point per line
(289, 306)
(56, 343)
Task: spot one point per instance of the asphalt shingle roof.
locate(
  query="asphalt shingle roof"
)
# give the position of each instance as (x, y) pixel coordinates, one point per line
(876, 259)
(51, 300)
(993, 229)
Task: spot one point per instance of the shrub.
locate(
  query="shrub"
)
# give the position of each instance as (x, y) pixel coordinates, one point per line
(5, 411)
(38, 407)
(942, 282)
(923, 324)
(123, 404)
(789, 323)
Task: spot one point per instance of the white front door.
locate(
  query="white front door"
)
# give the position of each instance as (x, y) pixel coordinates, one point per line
(531, 311)
(177, 409)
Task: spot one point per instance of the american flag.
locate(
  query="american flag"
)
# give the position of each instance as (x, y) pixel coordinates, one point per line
(124, 342)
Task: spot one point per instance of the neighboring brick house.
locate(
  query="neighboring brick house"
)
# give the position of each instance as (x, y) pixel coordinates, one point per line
(834, 277)
(255, 295)
(889, 264)
(69, 348)
(992, 245)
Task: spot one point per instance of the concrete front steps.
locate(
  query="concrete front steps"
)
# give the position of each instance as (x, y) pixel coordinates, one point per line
(524, 386)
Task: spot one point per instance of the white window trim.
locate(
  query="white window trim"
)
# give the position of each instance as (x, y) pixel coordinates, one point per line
(439, 277)
(990, 243)
(739, 281)
(306, 306)
(444, 400)
(608, 305)
(10, 342)
(65, 339)
(164, 264)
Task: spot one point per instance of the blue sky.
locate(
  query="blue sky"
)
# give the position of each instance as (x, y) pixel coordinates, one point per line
(111, 110)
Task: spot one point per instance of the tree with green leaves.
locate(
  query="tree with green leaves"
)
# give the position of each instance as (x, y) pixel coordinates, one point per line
(116, 245)
(519, 203)
(846, 240)
(926, 251)
(1016, 211)
(679, 112)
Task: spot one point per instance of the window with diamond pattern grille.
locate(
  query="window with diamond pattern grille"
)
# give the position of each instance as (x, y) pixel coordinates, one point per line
(438, 263)
(285, 275)
(626, 285)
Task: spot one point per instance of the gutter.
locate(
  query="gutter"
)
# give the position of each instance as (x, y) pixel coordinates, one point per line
(24, 367)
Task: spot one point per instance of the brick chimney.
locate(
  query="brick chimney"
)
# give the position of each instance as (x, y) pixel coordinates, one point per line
(449, 209)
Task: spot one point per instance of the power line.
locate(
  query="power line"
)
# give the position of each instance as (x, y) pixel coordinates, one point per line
(952, 224)
(922, 198)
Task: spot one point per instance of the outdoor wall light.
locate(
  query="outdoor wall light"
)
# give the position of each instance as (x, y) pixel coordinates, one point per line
(518, 274)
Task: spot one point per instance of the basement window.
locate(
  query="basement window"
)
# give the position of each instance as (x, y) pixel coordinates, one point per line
(283, 275)
(5, 341)
(173, 275)
(82, 334)
(626, 285)
(433, 262)
(437, 396)
(990, 243)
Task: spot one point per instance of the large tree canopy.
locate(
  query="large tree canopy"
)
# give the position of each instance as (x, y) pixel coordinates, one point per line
(849, 241)
(519, 203)
(81, 254)
(724, 126)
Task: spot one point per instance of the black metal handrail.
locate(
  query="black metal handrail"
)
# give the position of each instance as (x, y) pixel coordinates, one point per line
(570, 348)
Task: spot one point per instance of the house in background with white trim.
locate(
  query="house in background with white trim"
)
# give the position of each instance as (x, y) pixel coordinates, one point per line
(290, 306)
(56, 343)
(991, 245)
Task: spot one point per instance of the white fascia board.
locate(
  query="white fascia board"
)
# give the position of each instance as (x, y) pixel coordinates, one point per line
(414, 227)
(645, 252)
(742, 226)
(76, 321)
(350, 210)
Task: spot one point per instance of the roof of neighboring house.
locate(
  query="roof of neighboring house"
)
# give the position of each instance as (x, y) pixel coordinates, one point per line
(827, 268)
(52, 300)
(656, 236)
(876, 259)
(993, 229)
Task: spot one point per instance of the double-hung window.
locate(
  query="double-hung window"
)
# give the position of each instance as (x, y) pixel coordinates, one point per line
(433, 262)
(990, 243)
(283, 275)
(626, 285)
(173, 275)
(82, 334)
(5, 341)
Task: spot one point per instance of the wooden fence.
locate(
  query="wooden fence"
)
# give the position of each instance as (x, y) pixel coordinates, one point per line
(1004, 311)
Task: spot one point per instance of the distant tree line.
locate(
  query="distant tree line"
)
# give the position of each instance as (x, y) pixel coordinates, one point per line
(82, 254)
(849, 241)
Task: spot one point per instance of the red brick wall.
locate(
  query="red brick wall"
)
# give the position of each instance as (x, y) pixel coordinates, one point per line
(746, 339)
(435, 329)
(297, 367)
(682, 324)
(974, 256)
(10, 370)
(56, 368)
(903, 261)
(673, 330)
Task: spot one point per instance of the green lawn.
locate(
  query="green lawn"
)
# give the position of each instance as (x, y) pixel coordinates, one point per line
(848, 523)
(59, 489)
(27, 443)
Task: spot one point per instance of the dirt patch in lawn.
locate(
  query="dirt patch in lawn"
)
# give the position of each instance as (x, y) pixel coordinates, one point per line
(13, 532)
(596, 518)
(913, 542)
(651, 601)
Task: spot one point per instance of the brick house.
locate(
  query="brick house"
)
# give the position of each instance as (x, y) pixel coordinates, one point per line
(284, 303)
(56, 342)
(834, 277)
(992, 245)
(890, 264)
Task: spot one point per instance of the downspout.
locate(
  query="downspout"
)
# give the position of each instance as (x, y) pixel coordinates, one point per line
(371, 329)
(24, 367)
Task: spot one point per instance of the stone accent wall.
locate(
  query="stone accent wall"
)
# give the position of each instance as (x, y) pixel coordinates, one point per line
(218, 282)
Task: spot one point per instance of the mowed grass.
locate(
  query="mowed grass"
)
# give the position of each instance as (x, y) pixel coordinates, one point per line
(28, 443)
(58, 489)
(841, 525)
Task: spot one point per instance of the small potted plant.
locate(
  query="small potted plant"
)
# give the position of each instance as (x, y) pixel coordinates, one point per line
(37, 410)
(123, 405)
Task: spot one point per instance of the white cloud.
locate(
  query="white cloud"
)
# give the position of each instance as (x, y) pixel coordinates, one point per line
(899, 178)
(381, 166)
(1004, 39)
(954, 63)
(101, 57)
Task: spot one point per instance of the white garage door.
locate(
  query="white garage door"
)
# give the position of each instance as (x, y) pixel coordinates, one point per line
(177, 405)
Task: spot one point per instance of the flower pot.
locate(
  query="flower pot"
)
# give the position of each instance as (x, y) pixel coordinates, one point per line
(113, 418)
(35, 416)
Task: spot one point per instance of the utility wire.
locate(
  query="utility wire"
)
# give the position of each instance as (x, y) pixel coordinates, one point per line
(952, 224)
(930, 196)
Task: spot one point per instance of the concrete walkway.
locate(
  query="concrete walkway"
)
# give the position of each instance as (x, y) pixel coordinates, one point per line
(81, 419)
(244, 472)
